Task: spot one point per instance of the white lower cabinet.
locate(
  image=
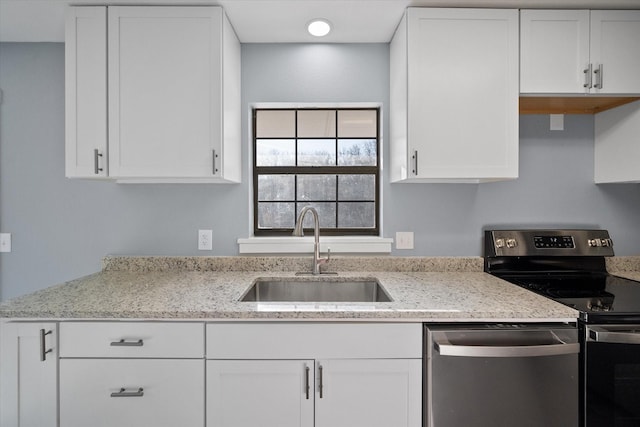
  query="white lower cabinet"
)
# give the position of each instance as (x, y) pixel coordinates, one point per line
(260, 393)
(322, 375)
(307, 393)
(28, 374)
(131, 392)
(138, 374)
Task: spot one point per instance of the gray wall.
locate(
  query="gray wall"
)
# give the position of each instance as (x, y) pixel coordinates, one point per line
(61, 228)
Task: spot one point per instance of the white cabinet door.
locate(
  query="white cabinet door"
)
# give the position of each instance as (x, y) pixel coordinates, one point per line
(86, 92)
(369, 393)
(174, 94)
(615, 52)
(617, 152)
(265, 393)
(461, 93)
(131, 392)
(164, 102)
(28, 374)
(554, 51)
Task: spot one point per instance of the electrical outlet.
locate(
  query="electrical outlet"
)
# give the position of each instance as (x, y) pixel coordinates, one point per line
(5, 242)
(404, 240)
(205, 240)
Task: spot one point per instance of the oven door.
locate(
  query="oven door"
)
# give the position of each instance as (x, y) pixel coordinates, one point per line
(612, 381)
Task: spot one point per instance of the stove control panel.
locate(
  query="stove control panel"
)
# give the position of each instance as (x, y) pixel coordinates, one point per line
(548, 243)
(554, 242)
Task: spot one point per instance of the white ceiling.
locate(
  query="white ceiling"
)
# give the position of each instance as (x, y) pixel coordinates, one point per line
(273, 21)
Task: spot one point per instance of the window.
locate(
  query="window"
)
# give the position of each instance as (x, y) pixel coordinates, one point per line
(325, 158)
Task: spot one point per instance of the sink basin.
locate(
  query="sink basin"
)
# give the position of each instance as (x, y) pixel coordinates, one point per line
(316, 290)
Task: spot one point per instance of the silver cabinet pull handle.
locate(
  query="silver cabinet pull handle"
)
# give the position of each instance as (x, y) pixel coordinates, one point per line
(123, 343)
(306, 381)
(598, 74)
(588, 83)
(320, 381)
(215, 161)
(96, 161)
(43, 345)
(415, 162)
(124, 393)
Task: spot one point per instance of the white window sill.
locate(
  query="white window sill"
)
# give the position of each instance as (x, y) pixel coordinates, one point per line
(295, 245)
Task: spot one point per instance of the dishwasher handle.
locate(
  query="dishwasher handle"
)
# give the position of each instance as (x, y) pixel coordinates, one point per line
(445, 348)
(625, 335)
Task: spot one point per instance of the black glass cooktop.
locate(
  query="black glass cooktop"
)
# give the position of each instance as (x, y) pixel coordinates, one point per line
(595, 295)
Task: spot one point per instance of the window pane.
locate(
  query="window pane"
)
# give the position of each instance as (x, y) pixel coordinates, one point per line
(275, 124)
(276, 215)
(275, 152)
(316, 187)
(356, 215)
(276, 187)
(357, 152)
(316, 123)
(357, 124)
(317, 152)
(326, 214)
(356, 187)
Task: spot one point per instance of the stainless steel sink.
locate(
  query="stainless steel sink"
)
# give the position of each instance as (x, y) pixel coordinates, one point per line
(316, 290)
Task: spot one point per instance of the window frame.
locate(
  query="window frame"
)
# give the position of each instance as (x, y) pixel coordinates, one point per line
(375, 170)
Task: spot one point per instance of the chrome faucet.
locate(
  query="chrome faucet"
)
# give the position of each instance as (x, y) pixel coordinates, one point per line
(298, 232)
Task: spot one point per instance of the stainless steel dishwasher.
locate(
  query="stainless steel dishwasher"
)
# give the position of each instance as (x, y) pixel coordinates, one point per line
(501, 375)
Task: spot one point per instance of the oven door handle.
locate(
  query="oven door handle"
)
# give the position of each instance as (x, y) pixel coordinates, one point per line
(445, 348)
(604, 335)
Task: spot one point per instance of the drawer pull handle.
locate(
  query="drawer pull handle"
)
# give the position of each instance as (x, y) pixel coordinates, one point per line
(43, 345)
(123, 343)
(124, 393)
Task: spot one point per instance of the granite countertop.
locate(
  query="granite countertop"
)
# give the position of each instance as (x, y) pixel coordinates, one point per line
(188, 288)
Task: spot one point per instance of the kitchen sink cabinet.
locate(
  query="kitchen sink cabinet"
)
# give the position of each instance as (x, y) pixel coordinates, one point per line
(29, 374)
(263, 393)
(314, 375)
(579, 52)
(454, 95)
(166, 83)
(340, 392)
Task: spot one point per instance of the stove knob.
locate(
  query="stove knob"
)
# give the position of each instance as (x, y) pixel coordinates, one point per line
(512, 243)
(499, 243)
(595, 243)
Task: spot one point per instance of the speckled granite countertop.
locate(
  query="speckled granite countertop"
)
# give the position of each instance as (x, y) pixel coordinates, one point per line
(422, 289)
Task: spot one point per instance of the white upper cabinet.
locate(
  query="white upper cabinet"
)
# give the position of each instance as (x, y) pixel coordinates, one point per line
(173, 78)
(614, 50)
(617, 152)
(86, 92)
(579, 51)
(554, 51)
(454, 96)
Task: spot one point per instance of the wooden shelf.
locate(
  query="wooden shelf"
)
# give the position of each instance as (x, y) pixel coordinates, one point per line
(571, 104)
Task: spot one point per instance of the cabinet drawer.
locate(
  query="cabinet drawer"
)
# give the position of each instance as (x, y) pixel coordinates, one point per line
(131, 339)
(314, 340)
(156, 393)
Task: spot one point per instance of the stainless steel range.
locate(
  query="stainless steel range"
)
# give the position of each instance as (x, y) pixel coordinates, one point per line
(568, 266)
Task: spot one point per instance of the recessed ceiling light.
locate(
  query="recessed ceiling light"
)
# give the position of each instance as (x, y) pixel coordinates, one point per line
(319, 27)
